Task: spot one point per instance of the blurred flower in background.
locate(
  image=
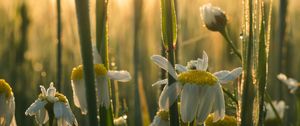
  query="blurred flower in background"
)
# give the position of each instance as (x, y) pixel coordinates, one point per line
(292, 84)
(121, 121)
(7, 105)
(201, 91)
(214, 18)
(271, 118)
(52, 104)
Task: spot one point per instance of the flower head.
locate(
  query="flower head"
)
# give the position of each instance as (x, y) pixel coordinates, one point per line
(200, 90)
(292, 84)
(161, 119)
(7, 104)
(50, 101)
(214, 18)
(102, 75)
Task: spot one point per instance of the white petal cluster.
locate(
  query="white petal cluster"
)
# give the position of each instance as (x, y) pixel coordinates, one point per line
(280, 107)
(197, 100)
(59, 105)
(292, 84)
(7, 105)
(214, 18)
(102, 75)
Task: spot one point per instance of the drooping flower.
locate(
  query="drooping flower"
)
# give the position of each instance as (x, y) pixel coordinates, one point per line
(52, 102)
(227, 121)
(292, 84)
(161, 119)
(201, 91)
(213, 17)
(102, 75)
(7, 105)
(121, 121)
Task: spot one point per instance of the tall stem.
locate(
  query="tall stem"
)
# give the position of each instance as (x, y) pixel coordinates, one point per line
(106, 114)
(169, 35)
(230, 43)
(59, 46)
(247, 82)
(82, 10)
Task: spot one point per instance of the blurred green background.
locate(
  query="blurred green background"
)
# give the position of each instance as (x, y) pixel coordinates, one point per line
(28, 48)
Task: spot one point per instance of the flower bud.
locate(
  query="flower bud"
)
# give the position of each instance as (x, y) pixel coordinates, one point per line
(214, 18)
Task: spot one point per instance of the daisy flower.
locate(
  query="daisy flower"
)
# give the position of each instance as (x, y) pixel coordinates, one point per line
(7, 105)
(52, 102)
(161, 119)
(102, 75)
(214, 18)
(201, 91)
(292, 84)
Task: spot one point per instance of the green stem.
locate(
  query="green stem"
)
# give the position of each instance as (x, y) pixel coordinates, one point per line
(106, 114)
(298, 110)
(59, 46)
(230, 96)
(248, 92)
(224, 33)
(82, 10)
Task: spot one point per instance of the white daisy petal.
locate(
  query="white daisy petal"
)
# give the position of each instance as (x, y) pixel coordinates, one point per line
(96, 56)
(43, 90)
(164, 64)
(204, 62)
(35, 107)
(42, 116)
(122, 76)
(180, 68)
(169, 95)
(102, 87)
(160, 82)
(2, 105)
(58, 109)
(189, 102)
(219, 106)
(10, 109)
(205, 104)
(226, 76)
(157, 121)
(51, 90)
(79, 95)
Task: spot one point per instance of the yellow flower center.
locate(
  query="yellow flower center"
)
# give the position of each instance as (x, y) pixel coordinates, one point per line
(227, 121)
(164, 115)
(61, 97)
(197, 77)
(5, 88)
(77, 72)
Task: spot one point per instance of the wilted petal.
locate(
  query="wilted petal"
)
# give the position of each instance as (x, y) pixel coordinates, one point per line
(169, 95)
(189, 102)
(157, 121)
(79, 95)
(160, 82)
(227, 76)
(59, 109)
(122, 76)
(102, 89)
(219, 106)
(203, 63)
(51, 90)
(164, 64)
(43, 90)
(35, 107)
(180, 68)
